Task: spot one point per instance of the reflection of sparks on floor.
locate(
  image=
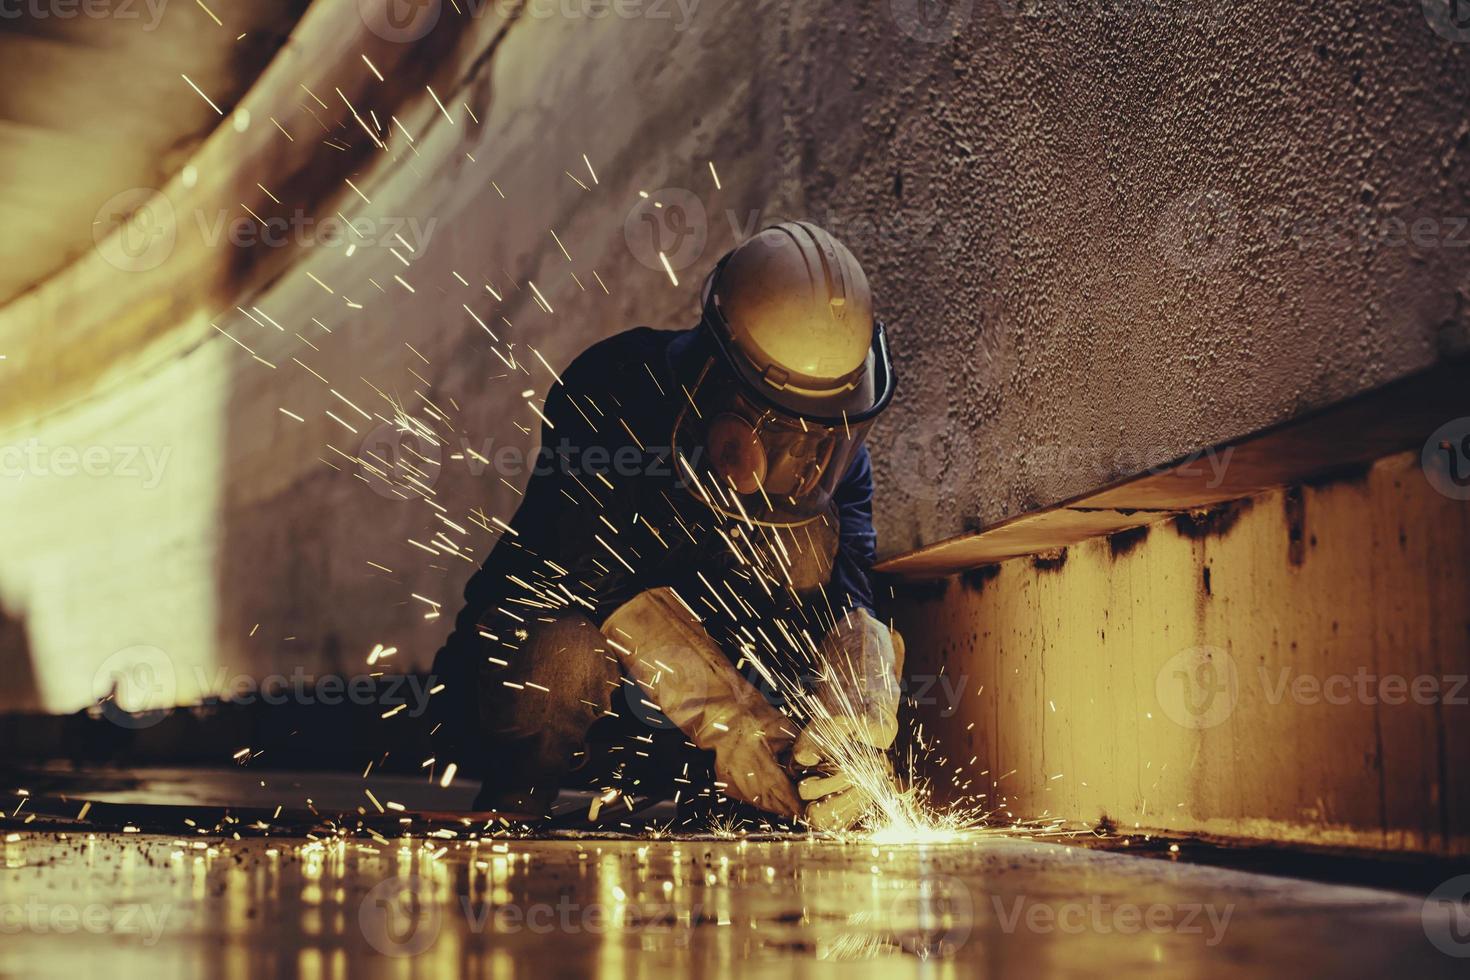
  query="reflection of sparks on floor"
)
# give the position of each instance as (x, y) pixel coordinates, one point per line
(894, 812)
(344, 905)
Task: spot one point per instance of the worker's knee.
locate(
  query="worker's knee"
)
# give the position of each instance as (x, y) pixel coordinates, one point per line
(556, 675)
(569, 650)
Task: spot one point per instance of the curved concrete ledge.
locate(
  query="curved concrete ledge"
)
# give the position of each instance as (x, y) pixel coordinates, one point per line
(1349, 435)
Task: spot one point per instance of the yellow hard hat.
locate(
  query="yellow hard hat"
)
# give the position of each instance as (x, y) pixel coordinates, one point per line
(798, 371)
(792, 311)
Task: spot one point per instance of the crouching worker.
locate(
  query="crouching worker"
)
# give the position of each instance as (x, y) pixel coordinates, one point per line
(682, 604)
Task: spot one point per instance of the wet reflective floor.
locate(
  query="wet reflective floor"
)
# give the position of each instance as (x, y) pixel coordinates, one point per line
(110, 905)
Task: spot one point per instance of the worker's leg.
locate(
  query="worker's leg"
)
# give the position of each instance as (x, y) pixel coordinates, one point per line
(637, 750)
(536, 710)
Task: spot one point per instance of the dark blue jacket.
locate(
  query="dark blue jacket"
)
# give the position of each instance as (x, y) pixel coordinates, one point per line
(605, 515)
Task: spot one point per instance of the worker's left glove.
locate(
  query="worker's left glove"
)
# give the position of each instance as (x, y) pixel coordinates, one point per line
(663, 646)
(854, 720)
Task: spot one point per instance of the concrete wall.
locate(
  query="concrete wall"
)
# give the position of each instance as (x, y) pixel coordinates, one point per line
(1102, 238)
(1291, 667)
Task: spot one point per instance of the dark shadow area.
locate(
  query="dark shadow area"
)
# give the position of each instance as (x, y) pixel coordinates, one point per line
(19, 688)
(273, 729)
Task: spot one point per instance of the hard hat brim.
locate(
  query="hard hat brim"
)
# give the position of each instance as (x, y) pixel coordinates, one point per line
(863, 401)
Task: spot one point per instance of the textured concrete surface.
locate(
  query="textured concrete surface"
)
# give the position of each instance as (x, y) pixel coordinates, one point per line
(1292, 667)
(1348, 437)
(70, 141)
(125, 905)
(1103, 238)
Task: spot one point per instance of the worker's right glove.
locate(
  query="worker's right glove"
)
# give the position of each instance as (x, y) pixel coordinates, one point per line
(853, 722)
(857, 692)
(664, 648)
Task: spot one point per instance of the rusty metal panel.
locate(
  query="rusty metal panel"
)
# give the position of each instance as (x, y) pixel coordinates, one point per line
(1209, 676)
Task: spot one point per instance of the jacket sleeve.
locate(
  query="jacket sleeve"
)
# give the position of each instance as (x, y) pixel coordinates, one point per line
(857, 542)
(536, 551)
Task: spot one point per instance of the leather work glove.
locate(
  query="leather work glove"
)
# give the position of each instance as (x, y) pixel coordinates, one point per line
(664, 648)
(838, 802)
(855, 720)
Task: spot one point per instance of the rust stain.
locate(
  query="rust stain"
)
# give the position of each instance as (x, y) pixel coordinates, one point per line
(1295, 504)
(1123, 542)
(1214, 522)
(974, 579)
(1049, 561)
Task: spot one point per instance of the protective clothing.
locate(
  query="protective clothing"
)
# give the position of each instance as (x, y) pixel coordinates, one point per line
(855, 720)
(639, 486)
(793, 314)
(665, 649)
(799, 369)
(625, 388)
(840, 801)
(558, 714)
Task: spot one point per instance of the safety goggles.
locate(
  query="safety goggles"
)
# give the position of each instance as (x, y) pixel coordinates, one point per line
(761, 461)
